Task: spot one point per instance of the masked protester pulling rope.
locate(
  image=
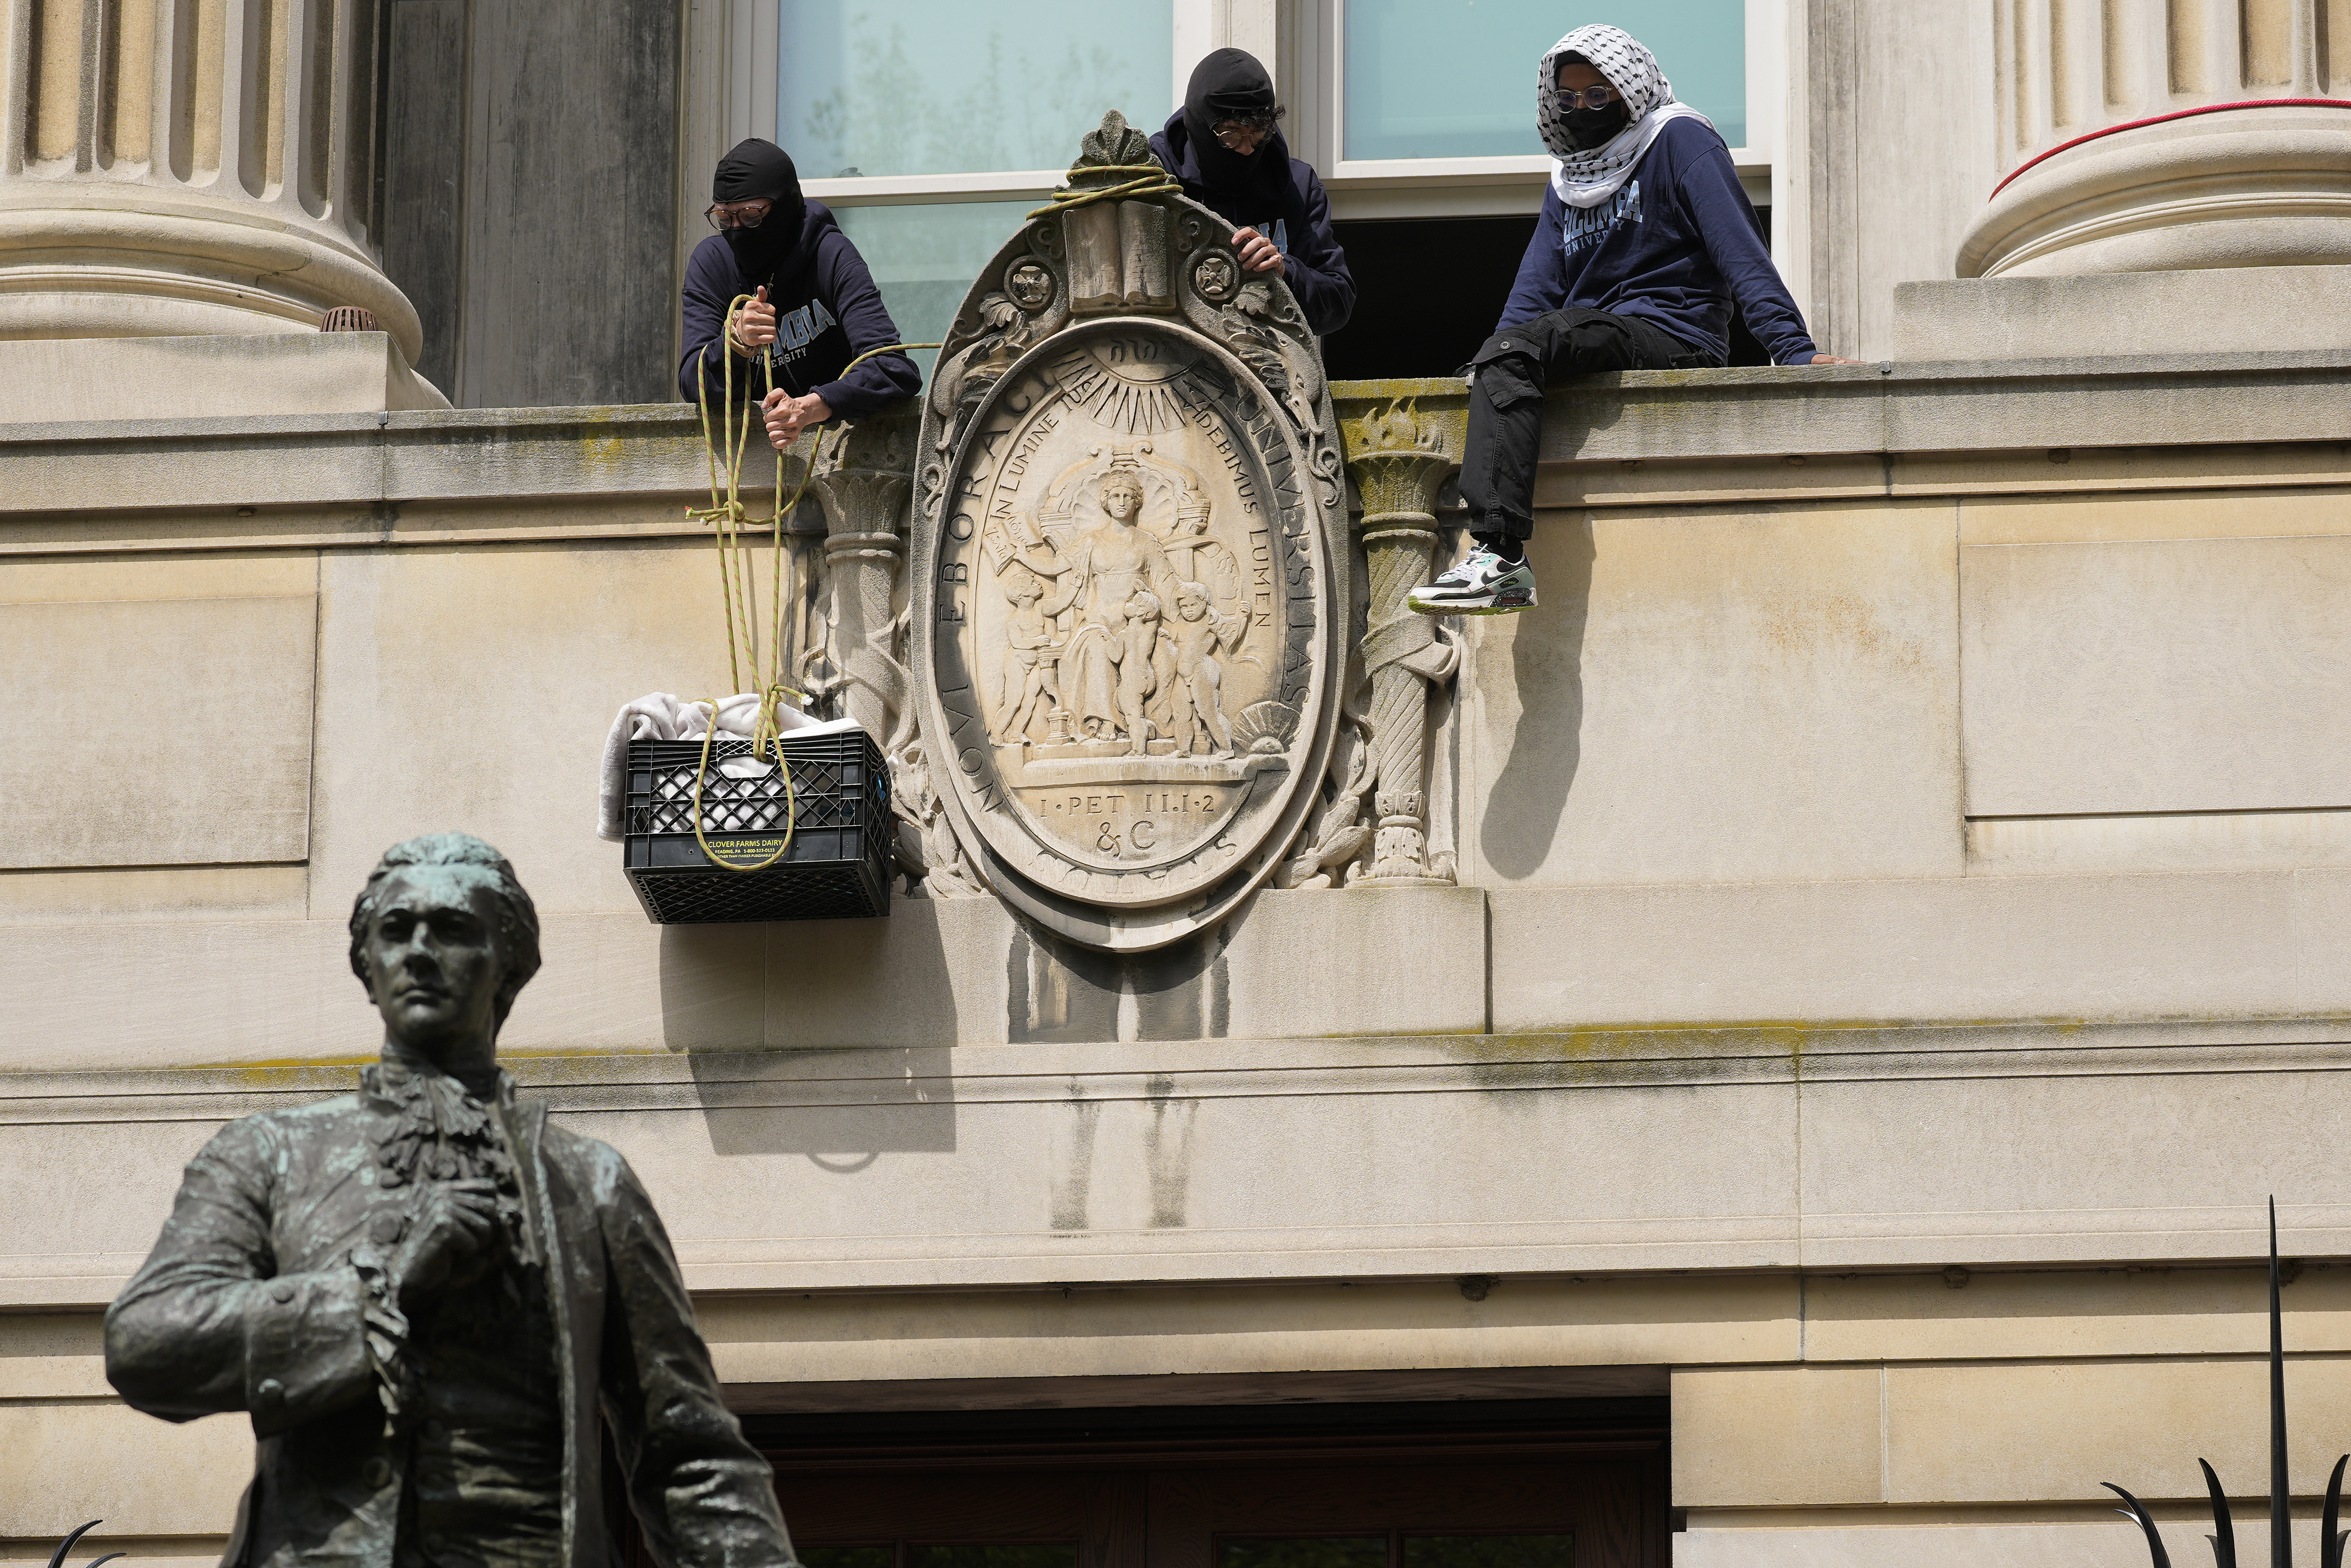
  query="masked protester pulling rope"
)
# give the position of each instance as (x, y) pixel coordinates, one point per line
(738, 577)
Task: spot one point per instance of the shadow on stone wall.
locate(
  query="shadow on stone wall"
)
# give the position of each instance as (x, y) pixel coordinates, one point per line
(769, 1103)
(1522, 809)
(766, 1017)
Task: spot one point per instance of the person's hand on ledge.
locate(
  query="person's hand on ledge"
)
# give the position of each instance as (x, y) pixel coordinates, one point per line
(1831, 359)
(1258, 253)
(787, 415)
(754, 325)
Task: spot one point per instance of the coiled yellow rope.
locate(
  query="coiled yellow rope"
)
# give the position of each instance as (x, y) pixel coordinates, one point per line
(738, 577)
(1151, 180)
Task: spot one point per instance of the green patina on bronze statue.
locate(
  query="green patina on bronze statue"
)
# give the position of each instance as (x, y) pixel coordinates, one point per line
(427, 1296)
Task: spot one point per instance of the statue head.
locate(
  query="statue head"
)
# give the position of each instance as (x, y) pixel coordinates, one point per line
(1022, 586)
(1142, 605)
(444, 937)
(1191, 601)
(1121, 496)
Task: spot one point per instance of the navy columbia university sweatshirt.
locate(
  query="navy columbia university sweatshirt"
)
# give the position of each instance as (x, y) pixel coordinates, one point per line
(828, 312)
(1678, 244)
(1298, 223)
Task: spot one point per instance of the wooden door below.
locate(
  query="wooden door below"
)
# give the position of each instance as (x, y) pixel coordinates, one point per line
(1222, 1490)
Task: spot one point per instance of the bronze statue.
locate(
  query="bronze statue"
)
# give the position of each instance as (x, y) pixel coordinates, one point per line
(428, 1297)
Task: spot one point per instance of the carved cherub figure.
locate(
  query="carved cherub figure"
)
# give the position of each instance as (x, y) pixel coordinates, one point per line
(1133, 628)
(1200, 632)
(1029, 649)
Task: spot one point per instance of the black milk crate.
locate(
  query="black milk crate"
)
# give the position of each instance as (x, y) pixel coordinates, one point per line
(839, 864)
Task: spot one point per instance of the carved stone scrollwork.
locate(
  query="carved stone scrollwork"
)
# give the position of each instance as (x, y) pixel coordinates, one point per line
(1398, 457)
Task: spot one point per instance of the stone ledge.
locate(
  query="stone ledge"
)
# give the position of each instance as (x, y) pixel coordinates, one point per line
(380, 462)
(1156, 1071)
(2204, 312)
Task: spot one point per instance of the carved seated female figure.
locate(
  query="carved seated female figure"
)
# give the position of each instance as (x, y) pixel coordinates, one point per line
(1098, 574)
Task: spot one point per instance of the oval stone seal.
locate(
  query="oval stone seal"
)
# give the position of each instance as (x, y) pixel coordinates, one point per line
(1129, 568)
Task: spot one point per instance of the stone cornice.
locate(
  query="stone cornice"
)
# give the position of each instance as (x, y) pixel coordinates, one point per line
(1678, 438)
(608, 1083)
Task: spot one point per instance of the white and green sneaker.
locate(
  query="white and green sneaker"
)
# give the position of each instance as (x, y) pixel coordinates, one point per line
(1482, 584)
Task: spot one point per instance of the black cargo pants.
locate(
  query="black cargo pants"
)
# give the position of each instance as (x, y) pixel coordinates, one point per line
(1506, 399)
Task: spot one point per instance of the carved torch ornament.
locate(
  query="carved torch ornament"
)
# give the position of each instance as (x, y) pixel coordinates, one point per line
(1376, 830)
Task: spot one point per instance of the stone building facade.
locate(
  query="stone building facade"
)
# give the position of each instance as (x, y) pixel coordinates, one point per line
(1788, 1075)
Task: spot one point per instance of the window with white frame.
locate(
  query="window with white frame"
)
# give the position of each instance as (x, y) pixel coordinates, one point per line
(913, 120)
(1425, 108)
(1431, 78)
(931, 128)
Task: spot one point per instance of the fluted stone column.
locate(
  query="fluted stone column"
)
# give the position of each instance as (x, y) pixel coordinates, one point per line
(2230, 174)
(188, 167)
(1397, 461)
(863, 485)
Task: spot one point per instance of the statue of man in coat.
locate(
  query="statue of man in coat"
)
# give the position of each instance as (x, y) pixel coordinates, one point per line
(428, 1297)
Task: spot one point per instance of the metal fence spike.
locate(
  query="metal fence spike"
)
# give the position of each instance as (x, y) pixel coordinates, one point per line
(2330, 1543)
(66, 1545)
(2224, 1544)
(2281, 1488)
(2136, 1513)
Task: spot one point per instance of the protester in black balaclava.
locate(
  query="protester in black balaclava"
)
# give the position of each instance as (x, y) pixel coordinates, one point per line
(759, 171)
(1225, 147)
(814, 307)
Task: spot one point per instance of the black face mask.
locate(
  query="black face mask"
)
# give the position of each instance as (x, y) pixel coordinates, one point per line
(759, 170)
(1590, 128)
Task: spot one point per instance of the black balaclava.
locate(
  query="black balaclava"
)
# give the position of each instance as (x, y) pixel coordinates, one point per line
(757, 168)
(1229, 84)
(1590, 128)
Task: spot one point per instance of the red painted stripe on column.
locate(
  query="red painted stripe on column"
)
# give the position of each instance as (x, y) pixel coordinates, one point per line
(2175, 114)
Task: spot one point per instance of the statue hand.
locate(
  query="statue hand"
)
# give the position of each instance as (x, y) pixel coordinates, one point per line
(454, 1222)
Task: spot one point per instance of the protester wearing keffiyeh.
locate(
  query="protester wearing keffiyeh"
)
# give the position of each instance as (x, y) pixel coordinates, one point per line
(1646, 247)
(1584, 172)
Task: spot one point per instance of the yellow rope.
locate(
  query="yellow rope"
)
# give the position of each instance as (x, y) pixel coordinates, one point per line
(738, 583)
(1151, 180)
(791, 803)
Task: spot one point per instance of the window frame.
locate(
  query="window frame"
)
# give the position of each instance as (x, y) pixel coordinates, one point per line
(726, 96)
(1477, 187)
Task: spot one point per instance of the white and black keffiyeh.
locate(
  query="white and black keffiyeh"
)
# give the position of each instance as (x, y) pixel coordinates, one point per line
(1588, 177)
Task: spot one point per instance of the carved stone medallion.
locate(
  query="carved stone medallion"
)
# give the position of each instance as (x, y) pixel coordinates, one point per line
(1129, 564)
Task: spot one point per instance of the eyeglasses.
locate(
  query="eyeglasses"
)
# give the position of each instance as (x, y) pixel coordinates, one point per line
(739, 216)
(1599, 97)
(1236, 131)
